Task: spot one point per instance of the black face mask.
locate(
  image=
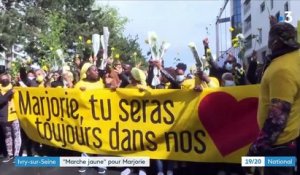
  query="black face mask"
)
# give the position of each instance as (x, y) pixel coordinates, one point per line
(4, 82)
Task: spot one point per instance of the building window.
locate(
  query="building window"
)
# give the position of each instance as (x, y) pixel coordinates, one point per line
(259, 39)
(248, 43)
(247, 23)
(247, 2)
(272, 4)
(286, 6)
(262, 7)
(278, 16)
(246, 6)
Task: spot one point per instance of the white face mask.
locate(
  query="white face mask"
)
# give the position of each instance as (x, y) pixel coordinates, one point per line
(229, 83)
(228, 66)
(31, 78)
(206, 72)
(180, 78)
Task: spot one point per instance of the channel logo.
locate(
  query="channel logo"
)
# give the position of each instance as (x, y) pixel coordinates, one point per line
(286, 18)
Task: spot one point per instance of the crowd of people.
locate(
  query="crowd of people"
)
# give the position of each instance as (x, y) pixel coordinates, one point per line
(85, 75)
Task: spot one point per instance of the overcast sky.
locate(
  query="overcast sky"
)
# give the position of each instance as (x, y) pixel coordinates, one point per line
(178, 22)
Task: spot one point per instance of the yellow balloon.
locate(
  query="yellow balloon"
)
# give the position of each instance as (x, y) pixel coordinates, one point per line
(89, 41)
(235, 40)
(208, 51)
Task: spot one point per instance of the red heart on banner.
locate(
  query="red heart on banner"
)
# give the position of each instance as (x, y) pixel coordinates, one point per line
(231, 124)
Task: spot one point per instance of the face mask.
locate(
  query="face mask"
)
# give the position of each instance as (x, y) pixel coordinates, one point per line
(206, 72)
(229, 83)
(228, 66)
(31, 78)
(39, 78)
(5, 82)
(179, 78)
(65, 82)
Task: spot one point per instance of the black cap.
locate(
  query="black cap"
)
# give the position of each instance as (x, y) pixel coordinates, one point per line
(181, 66)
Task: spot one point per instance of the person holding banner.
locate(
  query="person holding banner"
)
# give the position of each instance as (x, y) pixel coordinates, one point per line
(8, 119)
(181, 82)
(113, 70)
(89, 79)
(230, 65)
(279, 102)
(138, 79)
(177, 82)
(125, 75)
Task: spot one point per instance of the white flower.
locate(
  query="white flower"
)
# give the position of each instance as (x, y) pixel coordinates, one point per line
(165, 45)
(28, 60)
(192, 45)
(152, 37)
(240, 36)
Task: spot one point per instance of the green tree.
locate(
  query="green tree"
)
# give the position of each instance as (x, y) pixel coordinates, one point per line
(43, 26)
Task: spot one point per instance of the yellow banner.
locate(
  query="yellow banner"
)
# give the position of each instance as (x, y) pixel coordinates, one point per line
(216, 125)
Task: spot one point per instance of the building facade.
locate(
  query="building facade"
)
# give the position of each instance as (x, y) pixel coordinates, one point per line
(236, 17)
(256, 26)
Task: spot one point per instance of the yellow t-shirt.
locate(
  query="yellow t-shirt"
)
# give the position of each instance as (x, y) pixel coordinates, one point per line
(12, 115)
(190, 83)
(89, 85)
(139, 86)
(281, 80)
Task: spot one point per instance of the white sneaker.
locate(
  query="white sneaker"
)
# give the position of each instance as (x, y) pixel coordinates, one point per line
(142, 172)
(8, 159)
(82, 170)
(127, 171)
(101, 170)
(160, 173)
(24, 155)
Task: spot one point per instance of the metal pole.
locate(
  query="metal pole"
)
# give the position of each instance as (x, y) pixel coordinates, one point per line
(217, 28)
(217, 40)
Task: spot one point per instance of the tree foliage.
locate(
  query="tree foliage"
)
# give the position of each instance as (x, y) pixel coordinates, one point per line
(43, 26)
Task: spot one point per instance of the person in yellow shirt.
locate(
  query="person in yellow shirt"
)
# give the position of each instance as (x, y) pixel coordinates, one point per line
(138, 79)
(89, 78)
(279, 99)
(40, 77)
(8, 118)
(200, 81)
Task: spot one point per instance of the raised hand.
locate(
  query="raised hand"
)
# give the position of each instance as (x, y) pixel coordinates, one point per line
(205, 42)
(273, 20)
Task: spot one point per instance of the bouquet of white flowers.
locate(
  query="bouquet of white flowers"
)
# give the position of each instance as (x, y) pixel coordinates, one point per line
(157, 54)
(199, 63)
(104, 43)
(96, 44)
